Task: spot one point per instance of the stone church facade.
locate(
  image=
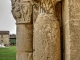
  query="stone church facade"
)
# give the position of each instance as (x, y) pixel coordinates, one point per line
(47, 29)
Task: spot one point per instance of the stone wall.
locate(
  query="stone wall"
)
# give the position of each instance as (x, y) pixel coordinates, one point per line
(71, 25)
(5, 39)
(74, 23)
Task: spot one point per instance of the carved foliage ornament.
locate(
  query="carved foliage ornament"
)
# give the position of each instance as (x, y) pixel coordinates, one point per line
(46, 6)
(22, 11)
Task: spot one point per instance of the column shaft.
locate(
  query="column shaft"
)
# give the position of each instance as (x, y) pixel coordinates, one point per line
(47, 38)
(24, 41)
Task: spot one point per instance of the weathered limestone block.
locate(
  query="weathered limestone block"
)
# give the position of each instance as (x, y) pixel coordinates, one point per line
(74, 24)
(75, 40)
(24, 37)
(47, 32)
(71, 20)
(47, 38)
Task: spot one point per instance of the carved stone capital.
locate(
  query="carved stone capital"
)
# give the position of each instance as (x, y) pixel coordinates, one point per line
(47, 6)
(22, 11)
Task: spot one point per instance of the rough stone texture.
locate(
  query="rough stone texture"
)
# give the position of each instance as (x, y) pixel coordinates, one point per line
(74, 24)
(24, 56)
(75, 40)
(24, 37)
(47, 38)
(71, 21)
(47, 32)
(36, 12)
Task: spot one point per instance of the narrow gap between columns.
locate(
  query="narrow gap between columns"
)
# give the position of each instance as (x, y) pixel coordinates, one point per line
(58, 8)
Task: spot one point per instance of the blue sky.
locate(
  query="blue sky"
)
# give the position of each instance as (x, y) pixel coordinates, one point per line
(7, 22)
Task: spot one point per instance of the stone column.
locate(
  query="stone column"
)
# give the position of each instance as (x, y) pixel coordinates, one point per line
(24, 42)
(47, 32)
(22, 12)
